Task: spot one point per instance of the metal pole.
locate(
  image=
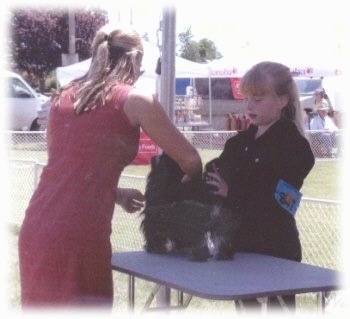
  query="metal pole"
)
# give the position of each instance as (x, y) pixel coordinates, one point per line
(210, 102)
(131, 294)
(167, 94)
(70, 57)
(71, 30)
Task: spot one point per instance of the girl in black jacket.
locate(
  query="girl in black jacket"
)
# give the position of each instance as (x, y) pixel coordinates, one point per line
(265, 166)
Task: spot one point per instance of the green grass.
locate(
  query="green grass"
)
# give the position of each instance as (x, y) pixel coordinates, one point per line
(324, 180)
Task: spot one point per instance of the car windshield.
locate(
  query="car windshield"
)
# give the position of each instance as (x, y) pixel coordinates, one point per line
(17, 89)
(307, 86)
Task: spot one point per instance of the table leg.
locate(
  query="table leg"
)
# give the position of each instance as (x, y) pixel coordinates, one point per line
(263, 302)
(321, 301)
(131, 289)
(163, 297)
(180, 298)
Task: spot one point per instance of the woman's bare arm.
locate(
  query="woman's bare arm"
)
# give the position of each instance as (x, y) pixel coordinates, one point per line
(148, 113)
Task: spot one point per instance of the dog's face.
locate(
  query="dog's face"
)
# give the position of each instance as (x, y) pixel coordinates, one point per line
(163, 164)
(163, 180)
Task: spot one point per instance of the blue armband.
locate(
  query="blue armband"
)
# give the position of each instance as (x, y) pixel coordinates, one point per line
(287, 196)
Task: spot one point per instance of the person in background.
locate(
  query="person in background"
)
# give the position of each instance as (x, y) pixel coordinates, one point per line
(307, 116)
(93, 134)
(263, 169)
(326, 130)
(320, 99)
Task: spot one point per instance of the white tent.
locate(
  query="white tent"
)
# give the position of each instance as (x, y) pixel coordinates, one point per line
(183, 69)
(236, 67)
(226, 68)
(65, 74)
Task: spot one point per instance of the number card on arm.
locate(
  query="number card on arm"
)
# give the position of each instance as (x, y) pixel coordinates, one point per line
(287, 196)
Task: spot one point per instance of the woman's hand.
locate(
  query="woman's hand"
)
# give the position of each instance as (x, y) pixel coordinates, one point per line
(215, 179)
(130, 199)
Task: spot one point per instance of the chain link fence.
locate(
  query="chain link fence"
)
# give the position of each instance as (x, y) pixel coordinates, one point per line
(32, 145)
(318, 220)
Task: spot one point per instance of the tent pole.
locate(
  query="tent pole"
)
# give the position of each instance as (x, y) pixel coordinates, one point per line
(210, 101)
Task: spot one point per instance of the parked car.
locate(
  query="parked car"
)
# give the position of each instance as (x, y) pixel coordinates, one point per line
(22, 104)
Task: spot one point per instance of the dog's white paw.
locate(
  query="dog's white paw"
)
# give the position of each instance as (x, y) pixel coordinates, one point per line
(169, 246)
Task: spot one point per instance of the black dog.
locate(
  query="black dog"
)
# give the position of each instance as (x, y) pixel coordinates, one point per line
(185, 217)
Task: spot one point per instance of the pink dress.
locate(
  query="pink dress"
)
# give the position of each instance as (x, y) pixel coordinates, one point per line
(64, 243)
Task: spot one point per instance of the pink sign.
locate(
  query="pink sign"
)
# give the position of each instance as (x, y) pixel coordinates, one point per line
(147, 149)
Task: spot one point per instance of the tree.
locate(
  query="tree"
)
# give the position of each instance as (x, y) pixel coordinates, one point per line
(184, 39)
(207, 50)
(38, 38)
(202, 51)
(191, 52)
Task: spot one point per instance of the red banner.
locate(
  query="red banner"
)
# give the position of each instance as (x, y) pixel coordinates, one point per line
(147, 149)
(235, 88)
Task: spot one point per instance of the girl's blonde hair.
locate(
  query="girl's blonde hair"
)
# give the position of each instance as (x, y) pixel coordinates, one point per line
(268, 76)
(116, 58)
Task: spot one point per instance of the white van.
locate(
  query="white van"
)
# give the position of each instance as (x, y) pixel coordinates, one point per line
(22, 104)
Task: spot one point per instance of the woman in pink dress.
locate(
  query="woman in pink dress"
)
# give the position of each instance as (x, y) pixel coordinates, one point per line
(93, 133)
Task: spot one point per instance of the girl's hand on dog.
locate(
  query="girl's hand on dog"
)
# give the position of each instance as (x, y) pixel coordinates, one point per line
(130, 199)
(215, 179)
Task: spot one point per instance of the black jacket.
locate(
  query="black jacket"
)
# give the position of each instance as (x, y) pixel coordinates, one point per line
(252, 168)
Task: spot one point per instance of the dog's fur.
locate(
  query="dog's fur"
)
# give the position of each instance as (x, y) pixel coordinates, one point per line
(185, 217)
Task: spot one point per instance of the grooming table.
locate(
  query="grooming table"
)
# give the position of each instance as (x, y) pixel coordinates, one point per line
(248, 275)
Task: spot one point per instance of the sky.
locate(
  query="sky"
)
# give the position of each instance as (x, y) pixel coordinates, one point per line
(307, 30)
